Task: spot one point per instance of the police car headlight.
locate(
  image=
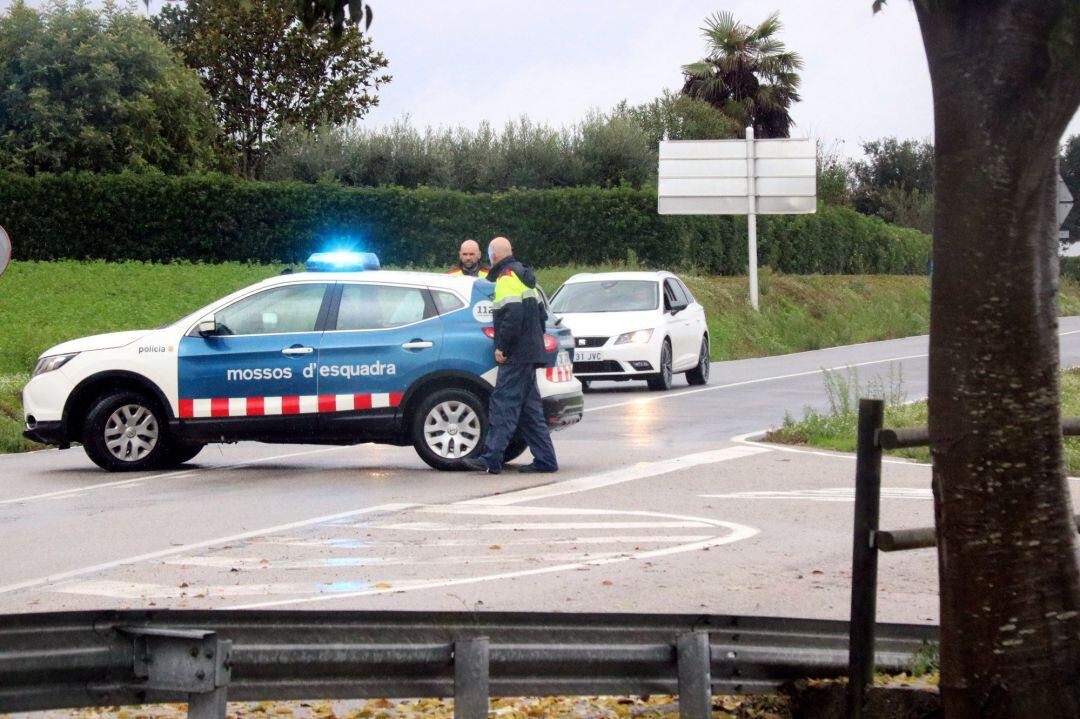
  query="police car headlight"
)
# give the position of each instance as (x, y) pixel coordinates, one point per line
(48, 364)
(639, 337)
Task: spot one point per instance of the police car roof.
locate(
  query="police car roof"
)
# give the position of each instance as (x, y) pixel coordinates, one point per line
(461, 283)
(654, 276)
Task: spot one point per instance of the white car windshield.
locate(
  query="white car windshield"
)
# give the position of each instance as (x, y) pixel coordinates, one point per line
(607, 296)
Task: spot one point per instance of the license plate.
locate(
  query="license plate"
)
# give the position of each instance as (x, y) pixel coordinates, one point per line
(593, 356)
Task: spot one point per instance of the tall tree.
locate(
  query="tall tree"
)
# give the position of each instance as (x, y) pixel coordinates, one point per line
(1006, 82)
(96, 90)
(896, 182)
(678, 117)
(749, 74)
(266, 71)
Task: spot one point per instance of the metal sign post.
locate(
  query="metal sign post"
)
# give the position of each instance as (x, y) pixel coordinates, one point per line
(751, 216)
(738, 177)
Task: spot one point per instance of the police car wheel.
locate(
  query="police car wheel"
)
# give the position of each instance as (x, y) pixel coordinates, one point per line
(125, 432)
(448, 426)
(700, 373)
(661, 381)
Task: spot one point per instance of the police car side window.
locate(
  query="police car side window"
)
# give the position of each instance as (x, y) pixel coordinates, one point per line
(293, 308)
(446, 301)
(377, 307)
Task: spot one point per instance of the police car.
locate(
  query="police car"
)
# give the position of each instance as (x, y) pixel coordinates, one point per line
(341, 354)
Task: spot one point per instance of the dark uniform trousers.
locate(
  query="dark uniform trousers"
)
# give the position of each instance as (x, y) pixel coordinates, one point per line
(515, 402)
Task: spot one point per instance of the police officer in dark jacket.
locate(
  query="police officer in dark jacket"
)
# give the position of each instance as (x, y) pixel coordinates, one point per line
(515, 405)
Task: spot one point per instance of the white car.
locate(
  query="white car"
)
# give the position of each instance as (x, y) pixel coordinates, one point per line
(634, 325)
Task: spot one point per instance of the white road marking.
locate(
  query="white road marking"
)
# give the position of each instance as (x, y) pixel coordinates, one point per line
(673, 395)
(187, 548)
(837, 494)
(580, 484)
(737, 532)
(196, 591)
(532, 526)
(617, 476)
(743, 439)
(168, 475)
(517, 541)
(505, 556)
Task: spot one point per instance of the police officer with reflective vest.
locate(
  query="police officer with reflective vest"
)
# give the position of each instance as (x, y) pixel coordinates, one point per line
(469, 261)
(519, 349)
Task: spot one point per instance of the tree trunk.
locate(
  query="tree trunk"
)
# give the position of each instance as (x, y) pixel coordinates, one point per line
(1006, 83)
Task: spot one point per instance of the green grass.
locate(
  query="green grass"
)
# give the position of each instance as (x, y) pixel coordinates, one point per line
(45, 303)
(836, 428)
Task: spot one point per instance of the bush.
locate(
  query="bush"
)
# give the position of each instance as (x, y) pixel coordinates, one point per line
(1070, 267)
(213, 218)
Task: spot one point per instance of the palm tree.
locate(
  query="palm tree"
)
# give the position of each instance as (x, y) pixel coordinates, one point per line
(749, 74)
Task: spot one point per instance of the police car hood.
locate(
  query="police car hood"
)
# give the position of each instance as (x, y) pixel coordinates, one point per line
(607, 324)
(97, 342)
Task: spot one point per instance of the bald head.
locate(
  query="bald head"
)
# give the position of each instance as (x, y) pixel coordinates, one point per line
(499, 248)
(469, 254)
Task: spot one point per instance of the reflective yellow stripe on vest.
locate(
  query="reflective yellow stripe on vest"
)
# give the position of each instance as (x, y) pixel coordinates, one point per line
(508, 288)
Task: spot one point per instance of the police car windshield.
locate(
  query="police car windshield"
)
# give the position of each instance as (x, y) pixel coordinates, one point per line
(607, 296)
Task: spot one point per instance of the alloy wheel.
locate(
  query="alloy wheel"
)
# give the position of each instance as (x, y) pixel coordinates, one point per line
(131, 433)
(452, 429)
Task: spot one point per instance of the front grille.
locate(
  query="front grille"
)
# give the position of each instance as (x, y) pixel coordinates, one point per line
(590, 341)
(606, 366)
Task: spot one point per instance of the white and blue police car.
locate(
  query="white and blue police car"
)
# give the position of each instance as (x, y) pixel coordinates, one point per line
(343, 353)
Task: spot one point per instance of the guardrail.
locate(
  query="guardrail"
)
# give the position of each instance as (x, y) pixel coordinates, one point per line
(79, 659)
(869, 539)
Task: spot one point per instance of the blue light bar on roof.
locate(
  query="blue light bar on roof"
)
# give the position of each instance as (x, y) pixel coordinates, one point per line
(342, 261)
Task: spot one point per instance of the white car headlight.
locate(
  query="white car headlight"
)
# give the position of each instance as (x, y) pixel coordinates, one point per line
(639, 337)
(48, 364)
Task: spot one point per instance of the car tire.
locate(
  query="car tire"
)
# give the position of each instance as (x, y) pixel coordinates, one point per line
(181, 453)
(661, 381)
(126, 431)
(700, 374)
(584, 385)
(447, 426)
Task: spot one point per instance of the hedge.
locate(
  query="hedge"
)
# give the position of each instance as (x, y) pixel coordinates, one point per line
(214, 218)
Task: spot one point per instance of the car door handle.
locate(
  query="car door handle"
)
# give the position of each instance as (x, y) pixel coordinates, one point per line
(297, 351)
(417, 345)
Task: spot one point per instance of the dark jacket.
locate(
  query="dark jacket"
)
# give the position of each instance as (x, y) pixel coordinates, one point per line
(519, 318)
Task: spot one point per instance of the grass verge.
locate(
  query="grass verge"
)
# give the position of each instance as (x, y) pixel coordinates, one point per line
(836, 428)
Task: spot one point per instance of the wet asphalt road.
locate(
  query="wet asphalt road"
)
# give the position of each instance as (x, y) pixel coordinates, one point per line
(660, 506)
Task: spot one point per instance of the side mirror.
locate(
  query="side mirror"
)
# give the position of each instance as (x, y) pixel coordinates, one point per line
(208, 328)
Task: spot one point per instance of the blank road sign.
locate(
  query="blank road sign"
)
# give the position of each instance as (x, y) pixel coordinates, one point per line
(716, 177)
(703, 186)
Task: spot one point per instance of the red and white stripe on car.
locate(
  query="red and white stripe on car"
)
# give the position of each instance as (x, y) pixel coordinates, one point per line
(296, 404)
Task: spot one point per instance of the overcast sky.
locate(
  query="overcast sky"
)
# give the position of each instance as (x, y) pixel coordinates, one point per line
(457, 64)
(865, 75)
